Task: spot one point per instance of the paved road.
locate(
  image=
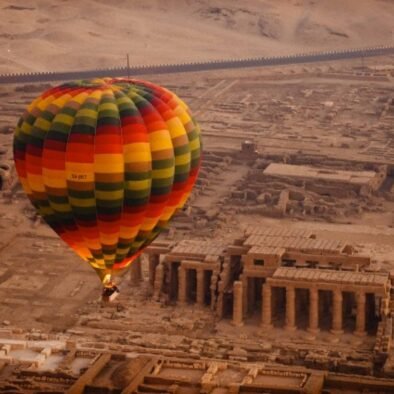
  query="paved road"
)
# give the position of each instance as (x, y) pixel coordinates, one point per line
(199, 66)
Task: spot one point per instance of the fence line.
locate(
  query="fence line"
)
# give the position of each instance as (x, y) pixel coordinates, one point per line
(198, 66)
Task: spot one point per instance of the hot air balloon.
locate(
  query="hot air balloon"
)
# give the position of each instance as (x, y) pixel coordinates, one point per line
(107, 163)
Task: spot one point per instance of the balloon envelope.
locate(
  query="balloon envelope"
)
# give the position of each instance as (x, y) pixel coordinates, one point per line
(107, 162)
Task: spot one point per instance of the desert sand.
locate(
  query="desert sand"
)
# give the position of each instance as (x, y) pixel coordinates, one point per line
(50, 35)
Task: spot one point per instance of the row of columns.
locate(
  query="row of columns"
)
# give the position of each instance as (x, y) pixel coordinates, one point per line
(360, 320)
(313, 310)
(156, 278)
(313, 327)
(182, 285)
(337, 301)
(182, 289)
(136, 271)
(154, 260)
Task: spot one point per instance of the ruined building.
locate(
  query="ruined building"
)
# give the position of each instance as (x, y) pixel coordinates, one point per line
(334, 182)
(277, 277)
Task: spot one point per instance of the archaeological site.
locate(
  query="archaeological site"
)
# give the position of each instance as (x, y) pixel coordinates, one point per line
(277, 276)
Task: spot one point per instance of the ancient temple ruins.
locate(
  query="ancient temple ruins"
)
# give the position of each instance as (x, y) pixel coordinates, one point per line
(275, 277)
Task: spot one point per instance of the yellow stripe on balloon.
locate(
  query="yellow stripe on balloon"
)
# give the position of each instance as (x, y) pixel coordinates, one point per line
(33, 104)
(122, 100)
(64, 118)
(160, 140)
(182, 114)
(175, 127)
(149, 224)
(138, 185)
(167, 213)
(94, 244)
(128, 232)
(195, 144)
(163, 173)
(88, 113)
(108, 163)
(138, 152)
(60, 207)
(62, 100)
(36, 183)
(26, 127)
(109, 195)
(137, 147)
(82, 202)
(109, 239)
(44, 211)
(182, 159)
(109, 257)
(80, 98)
(96, 95)
(42, 124)
(122, 250)
(108, 107)
(42, 104)
(137, 157)
(97, 264)
(54, 178)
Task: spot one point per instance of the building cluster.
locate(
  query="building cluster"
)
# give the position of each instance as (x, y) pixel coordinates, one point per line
(72, 368)
(334, 182)
(279, 277)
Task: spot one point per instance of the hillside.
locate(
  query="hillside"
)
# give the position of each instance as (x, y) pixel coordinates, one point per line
(43, 35)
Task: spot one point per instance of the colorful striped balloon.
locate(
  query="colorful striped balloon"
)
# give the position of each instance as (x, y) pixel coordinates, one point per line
(107, 162)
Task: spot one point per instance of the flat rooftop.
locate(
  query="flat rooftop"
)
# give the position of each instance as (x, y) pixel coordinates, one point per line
(296, 171)
(198, 248)
(268, 250)
(282, 232)
(330, 276)
(296, 243)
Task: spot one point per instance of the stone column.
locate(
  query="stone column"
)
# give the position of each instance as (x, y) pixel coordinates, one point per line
(360, 317)
(159, 276)
(136, 272)
(154, 260)
(200, 287)
(290, 308)
(245, 294)
(337, 300)
(182, 285)
(266, 312)
(212, 289)
(313, 310)
(237, 303)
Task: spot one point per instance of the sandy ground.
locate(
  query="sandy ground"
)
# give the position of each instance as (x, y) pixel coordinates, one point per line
(47, 35)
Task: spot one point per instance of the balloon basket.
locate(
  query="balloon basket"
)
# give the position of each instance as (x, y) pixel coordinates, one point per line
(109, 299)
(109, 294)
